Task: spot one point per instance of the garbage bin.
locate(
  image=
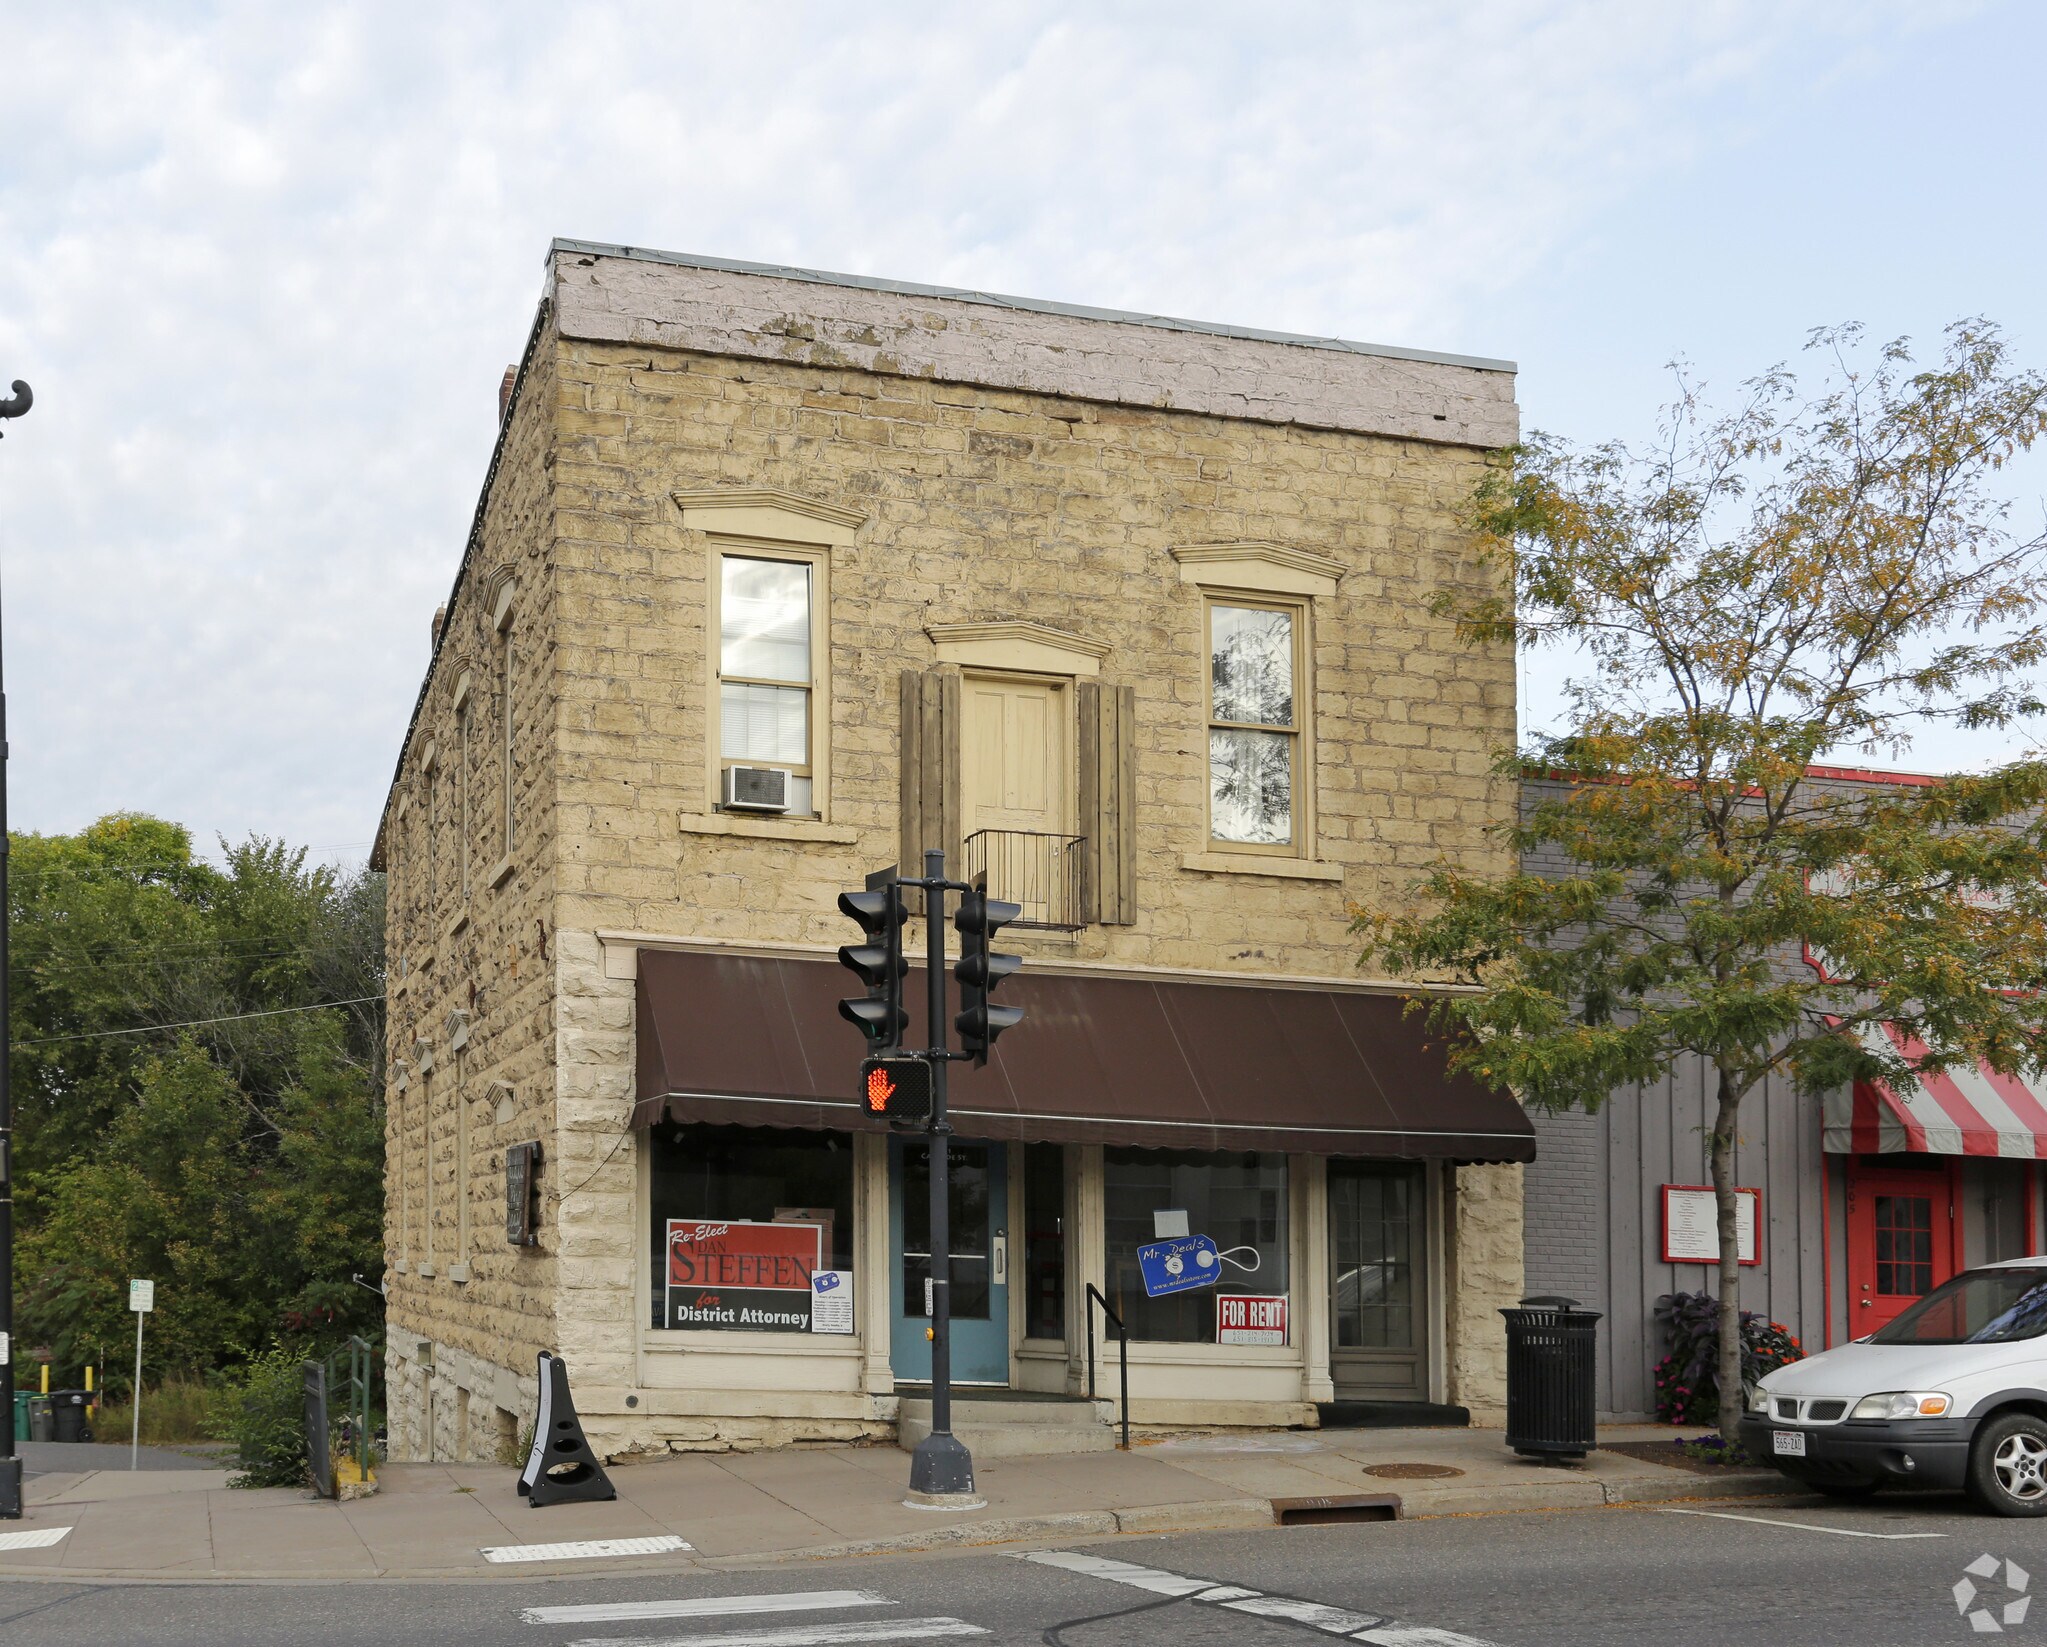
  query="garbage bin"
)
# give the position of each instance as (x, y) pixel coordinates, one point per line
(42, 1419)
(1550, 1399)
(69, 1406)
(21, 1399)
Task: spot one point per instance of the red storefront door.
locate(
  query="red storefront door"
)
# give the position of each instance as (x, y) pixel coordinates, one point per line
(1901, 1240)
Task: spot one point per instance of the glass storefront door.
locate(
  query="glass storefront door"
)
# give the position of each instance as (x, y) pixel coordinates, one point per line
(1378, 1264)
(980, 1260)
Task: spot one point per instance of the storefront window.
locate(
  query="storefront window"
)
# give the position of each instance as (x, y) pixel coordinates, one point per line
(1045, 1241)
(1239, 1201)
(745, 1219)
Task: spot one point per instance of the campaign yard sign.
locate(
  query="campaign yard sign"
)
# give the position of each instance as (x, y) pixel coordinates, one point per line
(743, 1277)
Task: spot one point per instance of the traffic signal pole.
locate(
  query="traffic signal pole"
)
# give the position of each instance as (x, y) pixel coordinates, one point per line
(10, 1462)
(940, 1466)
(909, 1088)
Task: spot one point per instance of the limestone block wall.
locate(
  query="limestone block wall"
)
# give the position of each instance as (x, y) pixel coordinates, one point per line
(471, 973)
(601, 1240)
(1485, 1277)
(982, 503)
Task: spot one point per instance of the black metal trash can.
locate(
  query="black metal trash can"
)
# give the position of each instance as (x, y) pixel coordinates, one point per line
(69, 1407)
(1550, 1366)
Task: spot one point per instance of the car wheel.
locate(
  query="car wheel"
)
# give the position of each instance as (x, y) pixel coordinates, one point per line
(1845, 1489)
(2008, 1465)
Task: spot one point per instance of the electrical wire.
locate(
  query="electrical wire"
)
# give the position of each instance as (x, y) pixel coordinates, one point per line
(196, 1023)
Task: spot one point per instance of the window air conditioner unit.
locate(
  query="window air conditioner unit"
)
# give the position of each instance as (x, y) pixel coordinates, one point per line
(757, 788)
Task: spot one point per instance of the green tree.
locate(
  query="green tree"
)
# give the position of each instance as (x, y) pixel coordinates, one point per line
(1794, 577)
(238, 1159)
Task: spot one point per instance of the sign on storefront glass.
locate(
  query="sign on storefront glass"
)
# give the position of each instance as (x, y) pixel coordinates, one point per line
(754, 1278)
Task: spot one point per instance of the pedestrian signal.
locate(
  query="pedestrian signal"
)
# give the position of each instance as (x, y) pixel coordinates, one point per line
(898, 1088)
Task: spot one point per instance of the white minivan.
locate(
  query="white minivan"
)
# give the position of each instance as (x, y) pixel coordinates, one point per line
(1952, 1393)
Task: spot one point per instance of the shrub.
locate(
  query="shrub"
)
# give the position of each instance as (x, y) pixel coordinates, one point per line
(1688, 1379)
(263, 1412)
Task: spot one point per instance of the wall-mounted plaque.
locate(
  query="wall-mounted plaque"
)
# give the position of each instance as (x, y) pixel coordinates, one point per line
(1691, 1225)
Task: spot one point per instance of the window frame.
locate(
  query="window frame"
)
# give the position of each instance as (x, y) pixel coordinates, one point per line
(430, 827)
(1301, 769)
(508, 820)
(465, 799)
(817, 559)
(650, 1217)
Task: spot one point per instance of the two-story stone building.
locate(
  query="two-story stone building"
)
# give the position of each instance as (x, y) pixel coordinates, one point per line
(780, 577)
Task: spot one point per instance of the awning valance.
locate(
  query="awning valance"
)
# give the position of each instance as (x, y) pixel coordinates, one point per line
(1970, 1110)
(1100, 1058)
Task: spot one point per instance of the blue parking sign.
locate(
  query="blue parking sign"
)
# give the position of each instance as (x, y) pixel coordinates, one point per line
(1178, 1265)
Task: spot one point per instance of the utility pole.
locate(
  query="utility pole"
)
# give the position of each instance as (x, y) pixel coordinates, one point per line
(10, 1461)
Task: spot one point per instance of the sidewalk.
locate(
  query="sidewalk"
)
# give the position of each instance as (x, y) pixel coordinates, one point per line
(742, 1509)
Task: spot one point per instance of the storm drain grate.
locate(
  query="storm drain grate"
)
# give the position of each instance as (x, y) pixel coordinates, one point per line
(1335, 1509)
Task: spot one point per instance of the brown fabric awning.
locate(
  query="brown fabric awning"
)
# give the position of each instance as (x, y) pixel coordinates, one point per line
(751, 1041)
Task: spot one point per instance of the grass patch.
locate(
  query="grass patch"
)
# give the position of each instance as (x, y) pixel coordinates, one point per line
(174, 1414)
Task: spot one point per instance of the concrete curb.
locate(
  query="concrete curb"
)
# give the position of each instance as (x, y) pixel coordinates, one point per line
(1760, 1484)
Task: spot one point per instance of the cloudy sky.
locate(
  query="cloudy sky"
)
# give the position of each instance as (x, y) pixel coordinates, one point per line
(264, 264)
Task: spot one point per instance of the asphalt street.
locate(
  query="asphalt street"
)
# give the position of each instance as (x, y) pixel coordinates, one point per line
(1790, 1572)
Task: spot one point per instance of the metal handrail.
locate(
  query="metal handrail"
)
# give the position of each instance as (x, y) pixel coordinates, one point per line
(1094, 1297)
(362, 1366)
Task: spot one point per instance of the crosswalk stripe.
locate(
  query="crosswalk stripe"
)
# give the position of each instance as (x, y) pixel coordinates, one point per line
(1122, 1572)
(1335, 1621)
(34, 1538)
(808, 1635)
(618, 1612)
(583, 1549)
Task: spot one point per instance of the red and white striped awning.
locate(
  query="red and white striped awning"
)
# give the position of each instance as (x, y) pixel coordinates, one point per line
(1959, 1112)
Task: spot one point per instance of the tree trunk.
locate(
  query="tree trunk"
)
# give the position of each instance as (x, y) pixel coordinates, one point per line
(1727, 1206)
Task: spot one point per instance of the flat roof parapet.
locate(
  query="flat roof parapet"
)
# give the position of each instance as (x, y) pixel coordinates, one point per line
(628, 294)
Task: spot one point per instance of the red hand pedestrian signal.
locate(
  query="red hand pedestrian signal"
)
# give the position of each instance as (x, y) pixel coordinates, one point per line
(899, 1088)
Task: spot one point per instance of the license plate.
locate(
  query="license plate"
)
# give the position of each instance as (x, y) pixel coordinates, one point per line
(1787, 1443)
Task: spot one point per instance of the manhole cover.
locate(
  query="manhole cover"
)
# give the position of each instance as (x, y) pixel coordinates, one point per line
(1411, 1472)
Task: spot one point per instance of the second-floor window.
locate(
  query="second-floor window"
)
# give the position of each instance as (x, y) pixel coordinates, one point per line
(767, 667)
(1254, 725)
(465, 756)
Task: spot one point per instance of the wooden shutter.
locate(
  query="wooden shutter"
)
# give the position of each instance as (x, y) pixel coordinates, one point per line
(1108, 799)
(930, 701)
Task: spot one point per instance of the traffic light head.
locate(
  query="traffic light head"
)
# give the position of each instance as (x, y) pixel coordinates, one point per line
(980, 969)
(898, 1088)
(877, 961)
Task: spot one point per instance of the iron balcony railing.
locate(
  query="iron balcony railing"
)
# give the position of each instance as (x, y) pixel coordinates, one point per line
(1047, 874)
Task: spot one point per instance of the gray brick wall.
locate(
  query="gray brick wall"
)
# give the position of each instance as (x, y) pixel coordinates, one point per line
(1565, 1221)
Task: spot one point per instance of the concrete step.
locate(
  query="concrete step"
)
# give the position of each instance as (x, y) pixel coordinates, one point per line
(993, 1426)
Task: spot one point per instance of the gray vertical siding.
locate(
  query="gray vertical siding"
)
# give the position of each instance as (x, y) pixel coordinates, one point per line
(1594, 1209)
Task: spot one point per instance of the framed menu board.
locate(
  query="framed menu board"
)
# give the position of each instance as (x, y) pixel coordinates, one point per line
(1691, 1225)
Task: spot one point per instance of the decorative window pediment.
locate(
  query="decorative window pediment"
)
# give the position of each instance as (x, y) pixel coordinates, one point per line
(765, 512)
(1266, 568)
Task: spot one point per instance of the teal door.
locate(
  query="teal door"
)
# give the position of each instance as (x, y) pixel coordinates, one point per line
(980, 1261)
